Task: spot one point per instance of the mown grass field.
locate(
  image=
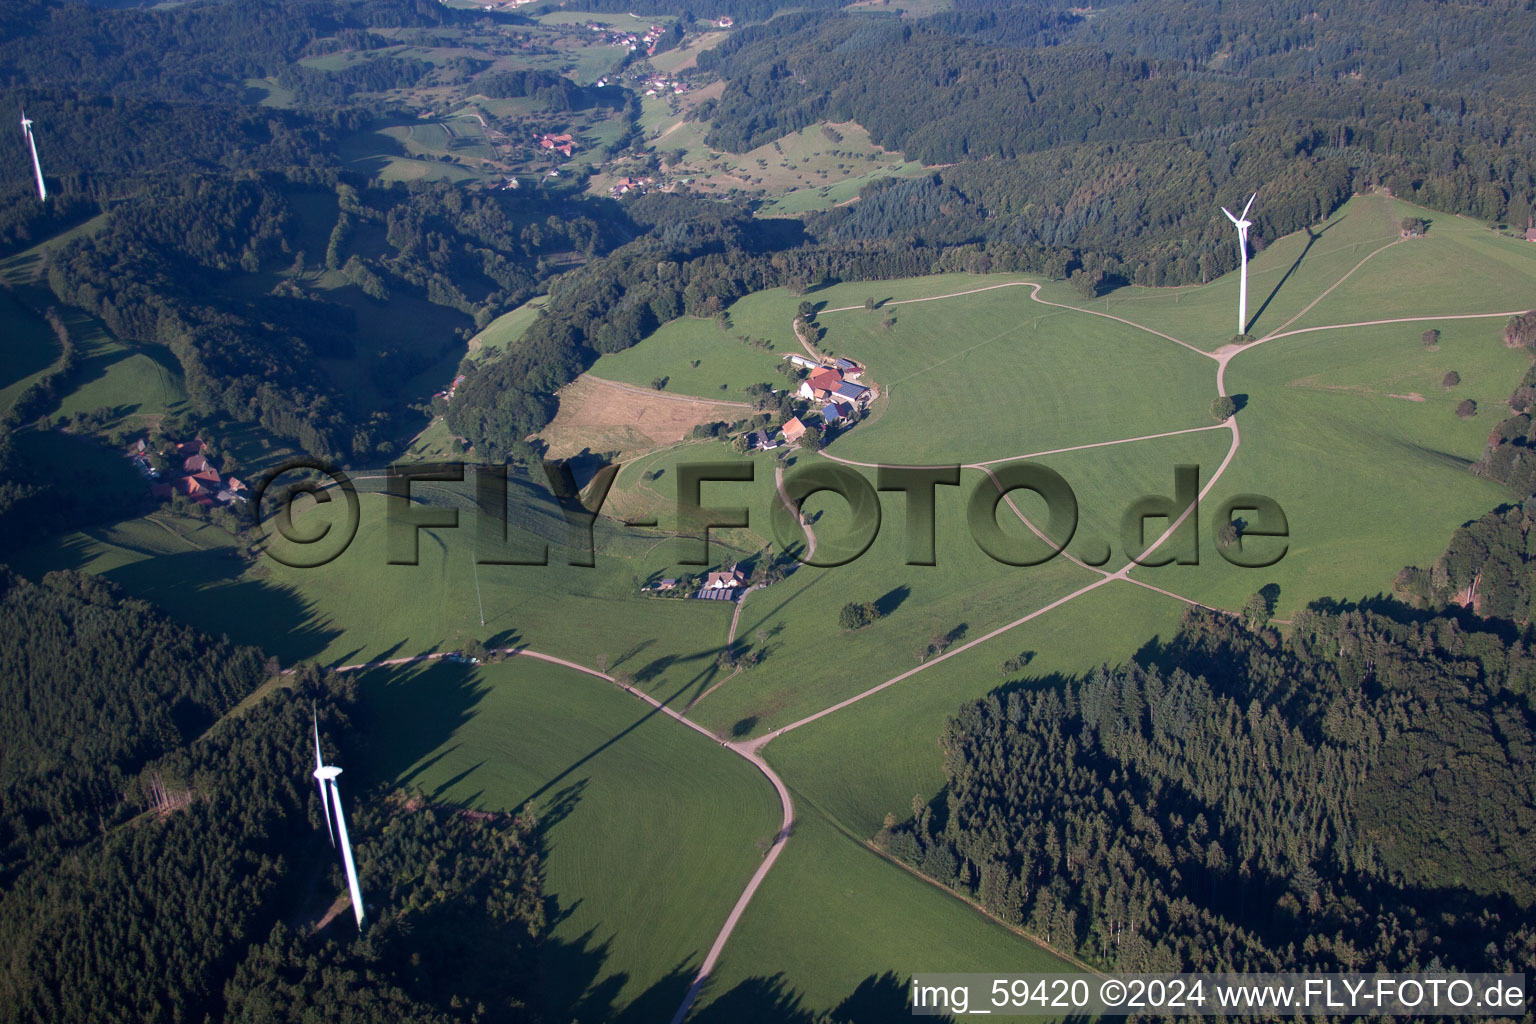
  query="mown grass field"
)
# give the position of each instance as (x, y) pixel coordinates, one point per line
(1460, 266)
(726, 364)
(621, 421)
(504, 331)
(27, 349)
(812, 169)
(835, 927)
(651, 829)
(1351, 431)
(994, 375)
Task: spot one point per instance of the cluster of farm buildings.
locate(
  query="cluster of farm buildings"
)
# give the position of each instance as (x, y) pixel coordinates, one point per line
(721, 585)
(835, 385)
(632, 40)
(563, 143)
(191, 474)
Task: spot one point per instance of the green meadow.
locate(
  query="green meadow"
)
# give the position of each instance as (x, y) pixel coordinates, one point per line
(870, 759)
(1354, 435)
(27, 348)
(1459, 266)
(726, 365)
(836, 928)
(995, 375)
(650, 829)
(504, 331)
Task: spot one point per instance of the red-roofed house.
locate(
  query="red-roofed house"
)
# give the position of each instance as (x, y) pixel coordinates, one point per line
(794, 430)
(194, 463)
(822, 382)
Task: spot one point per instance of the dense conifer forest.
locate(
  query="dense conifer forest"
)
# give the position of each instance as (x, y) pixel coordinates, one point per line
(1355, 795)
(164, 854)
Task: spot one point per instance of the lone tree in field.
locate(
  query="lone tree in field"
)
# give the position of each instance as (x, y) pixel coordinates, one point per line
(857, 615)
(869, 304)
(1450, 380)
(1087, 282)
(1520, 331)
(1227, 534)
(1256, 611)
(1430, 338)
(1222, 408)
(1413, 227)
(1467, 409)
(659, 383)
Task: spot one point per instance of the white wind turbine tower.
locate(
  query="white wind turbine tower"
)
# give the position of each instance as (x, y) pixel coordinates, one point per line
(1243, 224)
(37, 167)
(330, 792)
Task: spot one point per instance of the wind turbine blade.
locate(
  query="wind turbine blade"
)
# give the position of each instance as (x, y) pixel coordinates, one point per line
(319, 764)
(353, 888)
(1229, 215)
(1250, 204)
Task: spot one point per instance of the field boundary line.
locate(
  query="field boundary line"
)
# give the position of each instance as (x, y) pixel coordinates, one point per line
(653, 393)
(1329, 290)
(1030, 455)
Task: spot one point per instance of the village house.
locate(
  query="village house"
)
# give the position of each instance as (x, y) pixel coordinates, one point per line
(722, 585)
(823, 381)
(761, 441)
(793, 430)
(725, 579)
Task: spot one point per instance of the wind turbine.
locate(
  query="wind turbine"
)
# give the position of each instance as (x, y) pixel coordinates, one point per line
(330, 792)
(1243, 224)
(37, 167)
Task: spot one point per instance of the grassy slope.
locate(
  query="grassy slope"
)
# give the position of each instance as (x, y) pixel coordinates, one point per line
(506, 329)
(834, 926)
(27, 349)
(651, 829)
(831, 915)
(1370, 482)
(994, 375)
(1458, 267)
(671, 350)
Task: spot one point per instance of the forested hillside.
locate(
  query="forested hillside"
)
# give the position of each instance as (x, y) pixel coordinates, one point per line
(194, 893)
(694, 257)
(1357, 795)
(95, 685)
(1116, 135)
(176, 265)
